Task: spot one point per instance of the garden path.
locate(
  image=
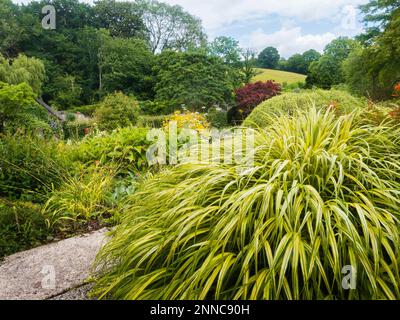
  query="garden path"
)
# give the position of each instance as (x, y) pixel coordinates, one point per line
(54, 270)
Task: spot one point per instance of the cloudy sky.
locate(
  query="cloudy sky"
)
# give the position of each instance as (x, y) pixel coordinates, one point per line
(293, 26)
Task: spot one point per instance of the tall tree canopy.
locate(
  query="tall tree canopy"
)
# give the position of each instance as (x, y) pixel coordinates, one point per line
(126, 65)
(10, 30)
(75, 54)
(121, 19)
(268, 58)
(377, 15)
(327, 71)
(23, 70)
(193, 78)
(227, 48)
(170, 27)
(375, 69)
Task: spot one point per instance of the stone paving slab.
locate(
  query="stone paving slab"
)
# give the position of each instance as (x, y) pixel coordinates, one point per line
(49, 270)
(80, 293)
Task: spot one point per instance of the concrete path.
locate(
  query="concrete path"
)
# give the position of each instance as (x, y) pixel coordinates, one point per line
(50, 270)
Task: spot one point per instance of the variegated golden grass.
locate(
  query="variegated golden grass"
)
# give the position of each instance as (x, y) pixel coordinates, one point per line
(323, 193)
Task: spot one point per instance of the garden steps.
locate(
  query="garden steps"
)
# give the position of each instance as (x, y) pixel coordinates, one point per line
(51, 270)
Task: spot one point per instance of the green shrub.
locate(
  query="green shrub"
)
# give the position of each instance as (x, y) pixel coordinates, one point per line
(117, 110)
(289, 103)
(217, 118)
(151, 121)
(19, 112)
(29, 167)
(323, 194)
(22, 226)
(124, 147)
(87, 110)
(156, 108)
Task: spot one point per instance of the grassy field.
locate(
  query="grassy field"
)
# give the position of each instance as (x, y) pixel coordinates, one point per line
(278, 76)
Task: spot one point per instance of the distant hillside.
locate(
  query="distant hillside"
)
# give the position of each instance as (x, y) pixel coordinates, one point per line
(278, 76)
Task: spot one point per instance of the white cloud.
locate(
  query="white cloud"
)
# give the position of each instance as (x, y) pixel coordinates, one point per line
(288, 40)
(217, 13)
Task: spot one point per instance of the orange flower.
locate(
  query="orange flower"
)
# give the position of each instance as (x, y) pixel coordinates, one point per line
(396, 90)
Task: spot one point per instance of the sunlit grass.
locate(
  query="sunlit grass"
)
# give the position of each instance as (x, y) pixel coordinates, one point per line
(278, 76)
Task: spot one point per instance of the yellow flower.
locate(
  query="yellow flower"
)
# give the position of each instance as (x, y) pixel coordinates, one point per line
(188, 120)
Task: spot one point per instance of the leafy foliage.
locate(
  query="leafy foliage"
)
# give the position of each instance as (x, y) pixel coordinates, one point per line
(217, 118)
(78, 128)
(251, 95)
(126, 66)
(226, 48)
(299, 63)
(377, 15)
(10, 30)
(193, 79)
(122, 18)
(68, 92)
(124, 147)
(323, 193)
(23, 69)
(327, 71)
(374, 70)
(22, 226)
(30, 167)
(19, 110)
(386, 112)
(170, 27)
(268, 58)
(149, 107)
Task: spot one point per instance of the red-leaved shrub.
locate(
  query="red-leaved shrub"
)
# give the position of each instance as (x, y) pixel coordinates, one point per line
(251, 95)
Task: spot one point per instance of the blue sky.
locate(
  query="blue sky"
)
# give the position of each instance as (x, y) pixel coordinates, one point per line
(293, 26)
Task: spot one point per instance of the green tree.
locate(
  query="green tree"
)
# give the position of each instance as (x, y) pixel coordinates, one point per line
(23, 69)
(377, 15)
(300, 63)
(375, 69)
(126, 65)
(18, 108)
(170, 27)
(328, 71)
(324, 73)
(340, 48)
(268, 58)
(310, 56)
(121, 19)
(10, 31)
(69, 92)
(59, 49)
(226, 48)
(194, 79)
(297, 63)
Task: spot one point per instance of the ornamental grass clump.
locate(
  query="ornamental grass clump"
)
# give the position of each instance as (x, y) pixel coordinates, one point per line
(323, 195)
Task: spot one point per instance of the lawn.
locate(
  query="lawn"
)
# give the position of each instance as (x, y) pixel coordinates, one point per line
(278, 76)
